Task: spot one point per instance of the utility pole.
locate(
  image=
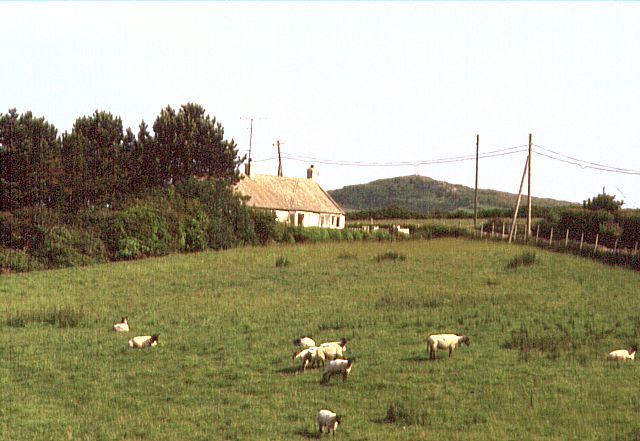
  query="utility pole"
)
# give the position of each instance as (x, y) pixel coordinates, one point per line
(475, 198)
(279, 159)
(515, 212)
(529, 193)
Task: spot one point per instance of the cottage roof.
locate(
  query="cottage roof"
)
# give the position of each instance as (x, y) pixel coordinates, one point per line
(282, 193)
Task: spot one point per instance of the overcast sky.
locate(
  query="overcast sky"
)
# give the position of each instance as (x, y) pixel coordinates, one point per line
(356, 83)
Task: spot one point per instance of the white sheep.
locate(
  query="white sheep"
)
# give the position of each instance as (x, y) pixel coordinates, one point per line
(623, 354)
(338, 366)
(445, 341)
(313, 355)
(328, 419)
(122, 326)
(334, 349)
(304, 342)
(143, 341)
(342, 344)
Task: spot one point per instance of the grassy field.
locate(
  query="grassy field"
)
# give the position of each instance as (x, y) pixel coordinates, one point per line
(536, 368)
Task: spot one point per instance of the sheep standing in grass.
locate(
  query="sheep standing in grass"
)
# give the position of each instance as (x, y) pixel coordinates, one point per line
(123, 326)
(328, 419)
(342, 344)
(445, 341)
(335, 349)
(143, 341)
(304, 343)
(623, 354)
(313, 355)
(339, 366)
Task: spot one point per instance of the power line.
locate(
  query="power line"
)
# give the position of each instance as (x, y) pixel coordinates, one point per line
(583, 164)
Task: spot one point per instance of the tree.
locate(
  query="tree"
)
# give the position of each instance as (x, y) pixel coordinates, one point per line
(603, 202)
(29, 158)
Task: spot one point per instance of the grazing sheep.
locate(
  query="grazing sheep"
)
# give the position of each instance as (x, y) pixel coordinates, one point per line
(339, 366)
(122, 326)
(331, 351)
(313, 355)
(328, 419)
(143, 341)
(342, 344)
(623, 354)
(304, 342)
(445, 341)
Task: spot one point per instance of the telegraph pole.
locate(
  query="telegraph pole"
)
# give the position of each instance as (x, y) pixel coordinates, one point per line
(529, 192)
(279, 160)
(475, 198)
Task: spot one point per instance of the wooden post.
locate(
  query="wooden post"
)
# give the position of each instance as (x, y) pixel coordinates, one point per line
(595, 247)
(502, 236)
(537, 233)
(635, 249)
(581, 240)
(529, 193)
(615, 247)
(515, 233)
(551, 236)
(566, 239)
(475, 198)
(493, 229)
(481, 230)
(515, 212)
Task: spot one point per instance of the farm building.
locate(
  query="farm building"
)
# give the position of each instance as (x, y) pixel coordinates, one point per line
(296, 201)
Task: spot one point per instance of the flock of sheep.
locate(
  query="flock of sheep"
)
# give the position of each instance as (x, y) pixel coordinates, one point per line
(330, 355)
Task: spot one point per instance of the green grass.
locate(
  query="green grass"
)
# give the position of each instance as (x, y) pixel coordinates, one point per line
(536, 368)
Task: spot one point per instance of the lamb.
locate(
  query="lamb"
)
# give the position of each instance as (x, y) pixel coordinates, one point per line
(334, 349)
(342, 344)
(328, 419)
(623, 354)
(313, 355)
(122, 326)
(304, 342)
(338, 366)
(143, 341)
(445, 341)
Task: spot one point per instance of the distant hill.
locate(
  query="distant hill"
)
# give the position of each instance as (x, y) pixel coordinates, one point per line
(425, 195)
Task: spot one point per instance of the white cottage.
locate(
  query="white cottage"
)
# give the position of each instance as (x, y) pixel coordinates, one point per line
(296, 201)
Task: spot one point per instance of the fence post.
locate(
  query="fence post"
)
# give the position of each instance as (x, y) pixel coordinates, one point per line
(581, 240)
(615, 247)
(635, 250)
(493, 229)
(481, 230)
(515, 232)
(566, 239)
(537, 233)
(595, 247)
(502, 236)
(551, 236)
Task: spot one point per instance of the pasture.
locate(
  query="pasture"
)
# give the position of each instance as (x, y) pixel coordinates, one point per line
(536, 367)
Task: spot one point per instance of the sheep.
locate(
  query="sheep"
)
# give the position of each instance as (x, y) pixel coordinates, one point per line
(338, 366)
(313, 355)
(445, 341)
(334, 349)
(143, 341)
(623, 354)
(122, 326)
(328, 419)
(304, 342)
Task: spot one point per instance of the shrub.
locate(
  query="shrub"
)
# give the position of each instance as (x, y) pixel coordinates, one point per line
(66, 245)
(196, 238)
(527, 258)
(144, 225)
(18, 261)
(390, 255)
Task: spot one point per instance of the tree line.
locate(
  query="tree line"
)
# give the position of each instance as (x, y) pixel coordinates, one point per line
(99, 164)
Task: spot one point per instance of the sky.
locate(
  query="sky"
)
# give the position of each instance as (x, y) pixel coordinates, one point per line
(362, 90)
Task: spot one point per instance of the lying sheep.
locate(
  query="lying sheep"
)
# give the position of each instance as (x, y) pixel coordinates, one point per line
(123, 326)
(143, 341)
(328, 419)
(304, 342)
(623, 354)
(313, 355)
(445, 341)
(339, 366)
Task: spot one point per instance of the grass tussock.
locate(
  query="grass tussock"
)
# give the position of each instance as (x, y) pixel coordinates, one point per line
(527, 258)
(347, 256)
(390, 255)
(400, 413)
(61, 317)
(282, 262)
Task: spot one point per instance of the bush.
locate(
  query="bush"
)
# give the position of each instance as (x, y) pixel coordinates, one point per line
(18, 261)
(140, 231)
(527, 258)
(196, 238)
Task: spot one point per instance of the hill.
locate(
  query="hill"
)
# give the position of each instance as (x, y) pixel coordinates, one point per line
(425, 195)
(536, 367)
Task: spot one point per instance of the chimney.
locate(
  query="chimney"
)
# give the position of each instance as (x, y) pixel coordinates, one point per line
(247, 168)
(312, 173)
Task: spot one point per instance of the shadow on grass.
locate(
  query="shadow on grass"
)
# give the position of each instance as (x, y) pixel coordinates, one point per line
(417, 358)
(291, 370)
(306, 433)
